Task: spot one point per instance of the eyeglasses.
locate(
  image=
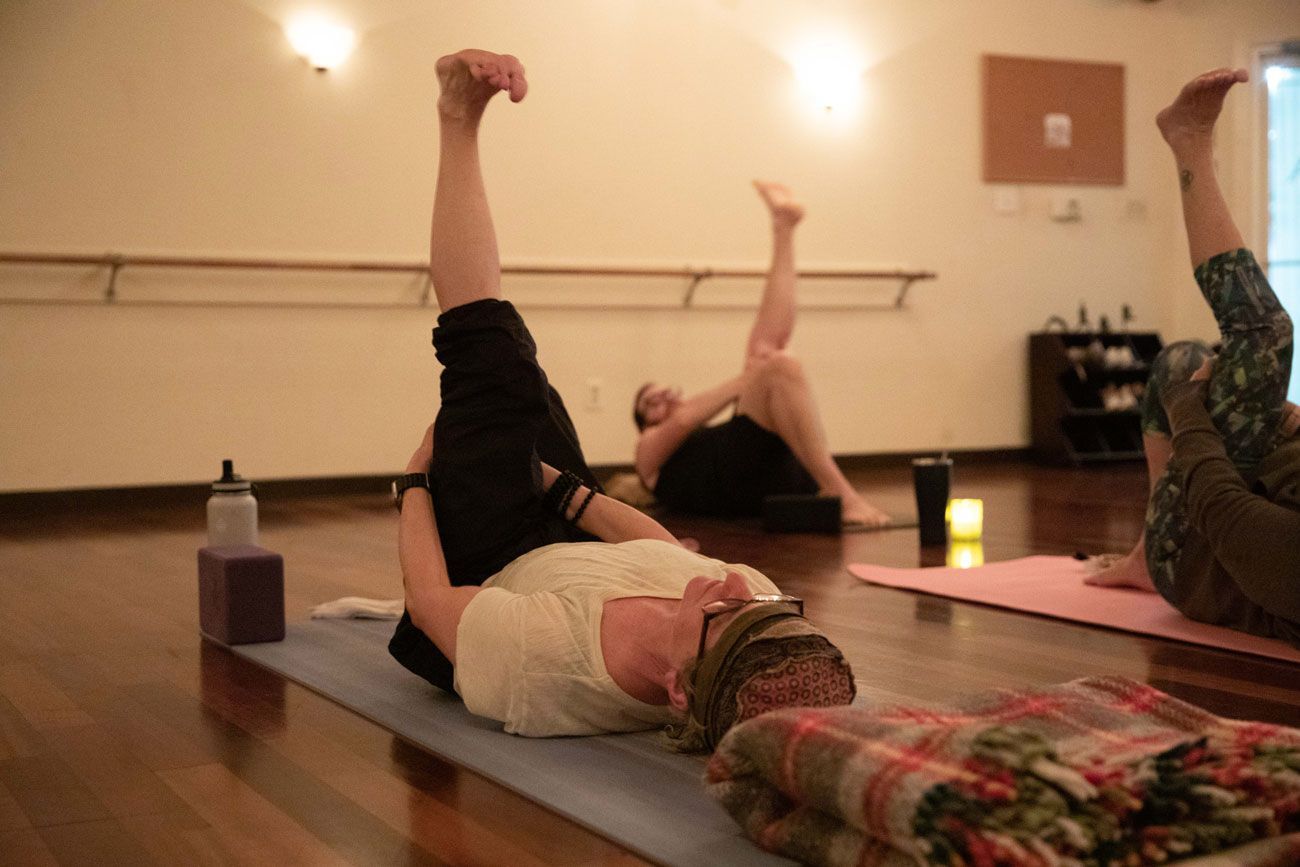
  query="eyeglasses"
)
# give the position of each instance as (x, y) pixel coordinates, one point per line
(726, 606)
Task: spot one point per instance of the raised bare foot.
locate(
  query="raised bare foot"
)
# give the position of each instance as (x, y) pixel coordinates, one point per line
(1120, 570)
(1192, 114)
(469, 78)
(780, 201)
(857, 512)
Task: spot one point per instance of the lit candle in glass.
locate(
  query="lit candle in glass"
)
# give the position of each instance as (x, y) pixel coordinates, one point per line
(966, 519)
(965, 555)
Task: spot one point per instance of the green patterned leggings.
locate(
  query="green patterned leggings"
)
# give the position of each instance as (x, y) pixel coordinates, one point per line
(1247, 393)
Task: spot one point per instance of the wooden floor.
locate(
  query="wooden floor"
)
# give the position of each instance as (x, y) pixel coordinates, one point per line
(124, 739)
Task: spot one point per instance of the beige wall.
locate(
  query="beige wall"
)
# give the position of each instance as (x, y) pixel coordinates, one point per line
(187, 127)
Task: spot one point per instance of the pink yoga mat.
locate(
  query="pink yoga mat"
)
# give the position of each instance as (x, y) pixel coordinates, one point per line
(1054, 586)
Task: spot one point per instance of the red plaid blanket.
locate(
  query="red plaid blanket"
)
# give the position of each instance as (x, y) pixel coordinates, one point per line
(1101, 771)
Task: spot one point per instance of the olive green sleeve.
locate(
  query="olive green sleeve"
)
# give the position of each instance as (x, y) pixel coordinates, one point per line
(1255, 540)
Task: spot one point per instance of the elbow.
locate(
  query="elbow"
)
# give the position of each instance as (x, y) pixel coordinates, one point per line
(419, 614)
(420, 606)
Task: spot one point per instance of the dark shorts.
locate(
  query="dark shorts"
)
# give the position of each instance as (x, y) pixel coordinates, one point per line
(726, 470)
(499, 417)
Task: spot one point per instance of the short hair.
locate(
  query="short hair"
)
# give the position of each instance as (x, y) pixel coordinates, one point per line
(767, 659)
(638, 418)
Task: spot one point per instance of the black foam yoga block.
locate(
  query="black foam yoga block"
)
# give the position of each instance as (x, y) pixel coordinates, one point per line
(801, 513)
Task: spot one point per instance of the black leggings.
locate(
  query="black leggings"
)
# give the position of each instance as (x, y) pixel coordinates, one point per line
(499, 419)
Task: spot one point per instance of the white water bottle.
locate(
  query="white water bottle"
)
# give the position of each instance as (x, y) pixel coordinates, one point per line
(232, 509)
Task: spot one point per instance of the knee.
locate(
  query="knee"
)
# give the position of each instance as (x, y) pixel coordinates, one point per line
(1177, 362)
(1283, 330)
(779, 367)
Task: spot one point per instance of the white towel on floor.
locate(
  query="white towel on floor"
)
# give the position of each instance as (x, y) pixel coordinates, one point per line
(360, 608)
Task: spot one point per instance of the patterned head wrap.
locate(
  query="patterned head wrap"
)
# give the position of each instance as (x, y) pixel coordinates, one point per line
(767, 658)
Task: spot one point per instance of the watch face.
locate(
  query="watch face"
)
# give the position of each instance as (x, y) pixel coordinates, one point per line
(411, 480)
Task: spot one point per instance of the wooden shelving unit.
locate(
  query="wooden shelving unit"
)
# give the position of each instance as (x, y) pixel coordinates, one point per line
(1068, 373)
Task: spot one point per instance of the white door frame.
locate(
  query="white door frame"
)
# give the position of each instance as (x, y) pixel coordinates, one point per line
(1258, 231)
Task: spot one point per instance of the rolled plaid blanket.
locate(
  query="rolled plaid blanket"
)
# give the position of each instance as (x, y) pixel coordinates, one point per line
(1101, 771)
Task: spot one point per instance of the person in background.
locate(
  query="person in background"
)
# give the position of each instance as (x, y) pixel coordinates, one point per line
(773, 443)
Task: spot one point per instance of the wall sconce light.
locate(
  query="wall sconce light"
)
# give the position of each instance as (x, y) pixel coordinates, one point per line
(321, 42)
(830, 75)
(966, 519)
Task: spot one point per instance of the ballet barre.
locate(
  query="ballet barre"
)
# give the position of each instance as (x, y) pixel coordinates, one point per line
(115, 263)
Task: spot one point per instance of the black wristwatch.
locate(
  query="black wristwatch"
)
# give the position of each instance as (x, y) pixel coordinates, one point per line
(402, 484)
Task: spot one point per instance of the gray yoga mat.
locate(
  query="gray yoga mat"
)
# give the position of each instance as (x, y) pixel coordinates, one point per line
(627, 788)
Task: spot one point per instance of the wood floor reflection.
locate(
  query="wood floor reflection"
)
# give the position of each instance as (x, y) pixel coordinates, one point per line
(124, 739)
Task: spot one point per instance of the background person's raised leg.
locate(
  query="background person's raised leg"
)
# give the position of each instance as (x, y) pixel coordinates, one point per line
(463, 261)
(776, 394)
(774, 322)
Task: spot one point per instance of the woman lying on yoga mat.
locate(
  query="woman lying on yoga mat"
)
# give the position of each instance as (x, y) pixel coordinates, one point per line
(563, 612)
(1222, 539)
(773, 443)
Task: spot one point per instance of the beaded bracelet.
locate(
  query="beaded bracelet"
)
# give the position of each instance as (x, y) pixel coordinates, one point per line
(563, 485)
(591, 495)
(575, 483)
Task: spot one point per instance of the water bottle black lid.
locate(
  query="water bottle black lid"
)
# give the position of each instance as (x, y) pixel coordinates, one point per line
(230, 480)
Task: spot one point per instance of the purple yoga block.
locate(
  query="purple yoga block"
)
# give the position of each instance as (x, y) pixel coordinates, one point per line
(241, 594)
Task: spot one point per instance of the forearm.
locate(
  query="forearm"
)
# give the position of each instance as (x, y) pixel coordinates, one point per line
(612, 521)
(699, 408)
(435, 606)
(419, 549)
(606, 518)
(1255, 540)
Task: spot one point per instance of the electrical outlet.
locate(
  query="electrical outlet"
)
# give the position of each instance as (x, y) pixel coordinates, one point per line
(595, 394)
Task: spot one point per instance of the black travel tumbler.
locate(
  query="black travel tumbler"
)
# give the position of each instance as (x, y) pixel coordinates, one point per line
(932, 478)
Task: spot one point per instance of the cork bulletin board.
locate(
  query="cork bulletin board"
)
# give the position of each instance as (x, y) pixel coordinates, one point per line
(1053, 121)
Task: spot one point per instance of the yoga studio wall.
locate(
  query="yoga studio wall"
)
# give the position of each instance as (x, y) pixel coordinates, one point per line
(151, 127)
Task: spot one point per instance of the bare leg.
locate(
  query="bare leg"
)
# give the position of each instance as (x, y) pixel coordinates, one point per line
(463, 260)
(1188, 126)
(774, 322)
(776, 395)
